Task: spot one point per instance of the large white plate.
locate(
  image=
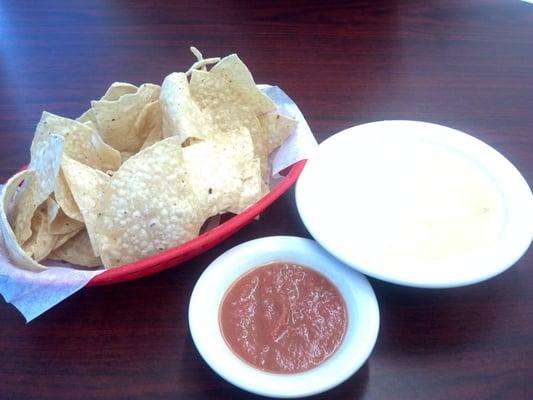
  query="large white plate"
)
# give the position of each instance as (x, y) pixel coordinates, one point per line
(416, 204)
(361, 304)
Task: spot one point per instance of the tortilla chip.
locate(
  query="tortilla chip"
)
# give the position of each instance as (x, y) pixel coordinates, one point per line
(64, 198)
(114, 92)
(278, 128)
(117, 90)
(45, 162)
(150, 124)
(215, 178)
(253, 186)
(52, 209)
(63, 224)
(149, 206)
(228, 108)
(125, 155)
(154, 137)
(91, 125)
(180, 115)
(238, 76)
(87, 186)
(62, 239)
(77, 251)
(82, 143)
(219, 169)
(116, 118)
(42, 241)
(17, 255)
(86, 117)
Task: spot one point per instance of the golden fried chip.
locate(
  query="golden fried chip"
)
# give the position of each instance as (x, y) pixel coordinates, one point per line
(150, 124)
(215, 178)
(77, 251)
(154, 137)
(117, 90)
(239, 78)
(87, 186)
(149, 206)
(45, 162)
(64, 198)
(19, 256)
(278, 128)
(180, 115)
(63, 224)
(52, 209)
(42, 241)
(114, 92)
(229, 111)
(91, 125)
(62, 239)
(82, 143)
(219, 170)
(116, 119)
(125, 155)
(87, 117)
(253, 186)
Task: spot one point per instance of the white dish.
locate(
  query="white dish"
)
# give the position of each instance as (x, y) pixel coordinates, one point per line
(417, 204)
(361, 304)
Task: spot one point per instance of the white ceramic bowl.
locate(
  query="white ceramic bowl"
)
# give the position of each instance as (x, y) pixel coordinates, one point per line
(362, 309)
(417, 204)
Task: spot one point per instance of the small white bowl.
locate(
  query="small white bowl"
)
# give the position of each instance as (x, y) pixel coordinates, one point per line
(362, 309)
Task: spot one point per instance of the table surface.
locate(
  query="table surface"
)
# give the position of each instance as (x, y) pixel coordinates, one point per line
(464, 64)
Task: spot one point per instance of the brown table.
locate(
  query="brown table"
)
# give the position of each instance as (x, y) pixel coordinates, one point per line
(464, 64)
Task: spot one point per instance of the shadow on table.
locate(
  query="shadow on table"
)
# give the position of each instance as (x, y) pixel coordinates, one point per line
(211, 386)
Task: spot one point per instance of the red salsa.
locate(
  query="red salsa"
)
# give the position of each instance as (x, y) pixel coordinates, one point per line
(283, 318)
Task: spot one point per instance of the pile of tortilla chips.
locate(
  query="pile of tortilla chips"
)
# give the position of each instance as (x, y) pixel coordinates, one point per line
(143, 168)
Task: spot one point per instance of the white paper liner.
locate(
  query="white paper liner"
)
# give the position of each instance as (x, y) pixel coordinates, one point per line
(33, 293)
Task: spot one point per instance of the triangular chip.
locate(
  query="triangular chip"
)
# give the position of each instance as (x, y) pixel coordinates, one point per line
(278, 128)
(63, 224)
(42, 241)
(149, 206)
(238, 76)
(17, 255)
(87, 117)
(219, 169)
(253, 187)
(114, 92)
(117, 90)
(149, 124)
(45, 162)
(87, 186)
(125, 155)
(82, 143)
(91, 125)
(52, 209)
(229, 110)
(116, 118)
(154, 137)
(64, 198)
(181, 116)
(77, 251)
(62, 239)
